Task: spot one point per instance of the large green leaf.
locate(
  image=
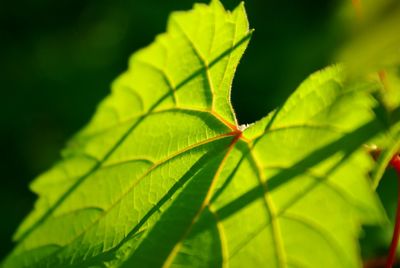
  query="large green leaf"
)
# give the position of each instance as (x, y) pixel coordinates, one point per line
(164, 176)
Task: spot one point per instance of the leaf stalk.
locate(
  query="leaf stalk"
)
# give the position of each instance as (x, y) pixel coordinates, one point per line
(395, 163)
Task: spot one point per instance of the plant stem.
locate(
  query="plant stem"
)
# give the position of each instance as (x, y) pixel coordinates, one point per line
(395, 163)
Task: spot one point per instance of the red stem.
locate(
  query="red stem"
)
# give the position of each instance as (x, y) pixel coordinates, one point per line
(395, 163)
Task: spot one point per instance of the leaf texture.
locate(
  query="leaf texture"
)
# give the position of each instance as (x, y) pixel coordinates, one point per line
(164, 176)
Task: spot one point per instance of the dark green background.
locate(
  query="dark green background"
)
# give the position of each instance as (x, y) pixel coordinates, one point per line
(58, 59)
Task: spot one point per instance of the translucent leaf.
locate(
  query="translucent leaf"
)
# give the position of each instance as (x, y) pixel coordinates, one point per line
(164, 176)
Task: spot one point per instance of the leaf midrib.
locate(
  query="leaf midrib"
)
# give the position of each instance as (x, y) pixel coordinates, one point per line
(174, 251)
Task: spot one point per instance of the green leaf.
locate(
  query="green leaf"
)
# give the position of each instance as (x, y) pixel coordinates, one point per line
(375, 45)
(164, 176)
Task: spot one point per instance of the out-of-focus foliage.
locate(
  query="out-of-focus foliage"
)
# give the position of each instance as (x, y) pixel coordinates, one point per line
(374, 47)
(375, 44)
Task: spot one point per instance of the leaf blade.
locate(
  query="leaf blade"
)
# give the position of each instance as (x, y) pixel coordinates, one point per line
(163, 152)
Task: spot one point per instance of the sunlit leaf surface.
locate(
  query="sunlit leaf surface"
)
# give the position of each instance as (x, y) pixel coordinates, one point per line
(164, 176)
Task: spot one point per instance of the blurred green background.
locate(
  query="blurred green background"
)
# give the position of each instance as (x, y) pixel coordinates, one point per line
(58, 59)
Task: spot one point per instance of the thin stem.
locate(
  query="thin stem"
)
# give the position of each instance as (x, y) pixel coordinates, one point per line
(395, 163)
